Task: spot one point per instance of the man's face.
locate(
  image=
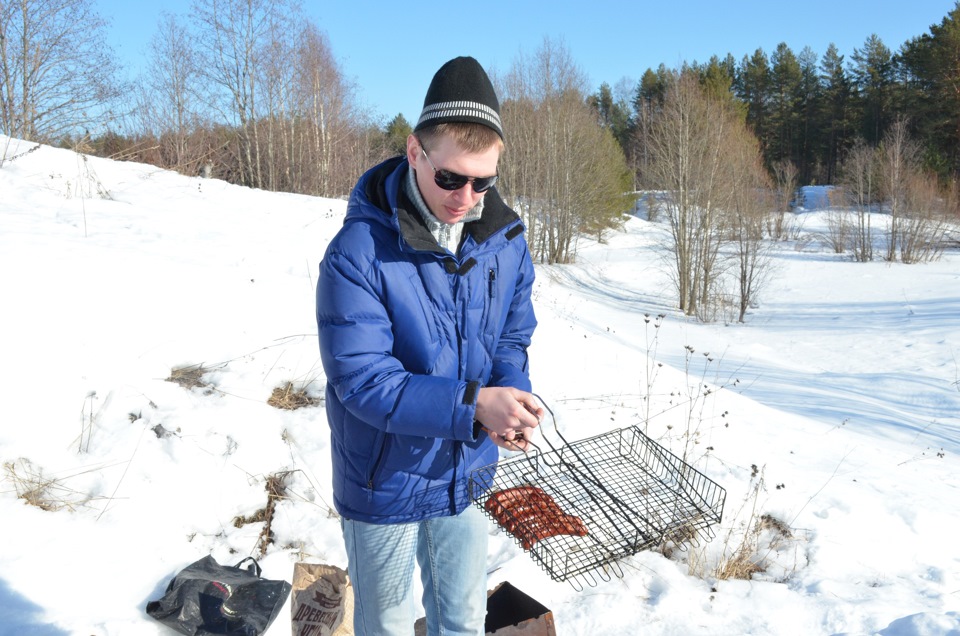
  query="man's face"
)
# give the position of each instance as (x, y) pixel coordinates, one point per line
(450, 206)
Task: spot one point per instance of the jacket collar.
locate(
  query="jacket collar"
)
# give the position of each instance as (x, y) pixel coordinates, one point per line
(383, 189)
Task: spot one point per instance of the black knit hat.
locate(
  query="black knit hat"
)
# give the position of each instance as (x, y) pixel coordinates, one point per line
(461, 92)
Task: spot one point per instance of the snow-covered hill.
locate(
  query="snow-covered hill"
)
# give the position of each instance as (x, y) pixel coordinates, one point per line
(833, 414)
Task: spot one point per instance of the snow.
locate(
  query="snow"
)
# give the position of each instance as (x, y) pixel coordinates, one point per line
(833, 411)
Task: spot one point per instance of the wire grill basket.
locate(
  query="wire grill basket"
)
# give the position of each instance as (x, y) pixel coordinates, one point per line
(631, 493)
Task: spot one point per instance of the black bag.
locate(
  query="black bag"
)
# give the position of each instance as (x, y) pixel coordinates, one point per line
(208, 598)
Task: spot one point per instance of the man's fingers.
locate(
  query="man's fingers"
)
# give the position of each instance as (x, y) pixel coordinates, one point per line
(530, 404)
(520, 445)
(528, 418)
(517, 443)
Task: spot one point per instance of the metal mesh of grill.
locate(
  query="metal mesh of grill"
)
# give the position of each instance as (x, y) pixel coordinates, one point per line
(631, 492)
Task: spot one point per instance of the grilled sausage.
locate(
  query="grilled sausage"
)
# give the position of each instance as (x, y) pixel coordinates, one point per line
(532, 529)
(503, 500)
(530, 514)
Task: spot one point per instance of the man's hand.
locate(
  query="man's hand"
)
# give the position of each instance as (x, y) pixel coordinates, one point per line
(519, 443)
(508, 415)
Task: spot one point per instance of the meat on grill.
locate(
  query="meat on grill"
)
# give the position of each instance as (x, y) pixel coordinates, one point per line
(530, 514)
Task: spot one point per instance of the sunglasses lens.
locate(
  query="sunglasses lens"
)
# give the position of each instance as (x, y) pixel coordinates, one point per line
(450, 180)
(483, 184)
(453, 181)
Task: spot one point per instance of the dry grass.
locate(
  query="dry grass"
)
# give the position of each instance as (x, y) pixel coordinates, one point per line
(189, 377)
(36, 489)
(289, 398)
(749, 559)
(754, 545)
(740, 558)
(757, 545)
(742, 565)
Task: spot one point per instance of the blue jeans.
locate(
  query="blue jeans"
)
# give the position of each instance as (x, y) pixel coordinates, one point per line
(452, 554)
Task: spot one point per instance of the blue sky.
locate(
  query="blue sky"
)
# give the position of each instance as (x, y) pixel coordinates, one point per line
(391, 49)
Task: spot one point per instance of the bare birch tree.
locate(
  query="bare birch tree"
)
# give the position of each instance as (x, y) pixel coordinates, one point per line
(560, 168)
(899, 160)
(327, 106)
(170, 98)
(686, 143)
(235, 37)
(922, 227)
(751, 207)
(298, 127)
(785, 175)
(715, 195)
(57, 74)
(859, 182)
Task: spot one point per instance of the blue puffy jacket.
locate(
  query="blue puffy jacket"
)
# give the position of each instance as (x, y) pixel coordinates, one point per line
(408, 335)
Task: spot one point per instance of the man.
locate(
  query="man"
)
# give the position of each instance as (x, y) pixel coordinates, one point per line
(425, 316)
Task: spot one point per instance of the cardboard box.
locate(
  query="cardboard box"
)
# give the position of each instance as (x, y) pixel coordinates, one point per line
(510, 612)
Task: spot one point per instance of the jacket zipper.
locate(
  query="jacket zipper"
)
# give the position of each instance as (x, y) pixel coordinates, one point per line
(492, 283)
(377, 463)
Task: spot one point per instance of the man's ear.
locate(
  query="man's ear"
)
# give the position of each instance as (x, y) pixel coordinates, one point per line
(413, 148)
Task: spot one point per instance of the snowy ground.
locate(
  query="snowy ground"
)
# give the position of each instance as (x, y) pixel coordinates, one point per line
(832, 413)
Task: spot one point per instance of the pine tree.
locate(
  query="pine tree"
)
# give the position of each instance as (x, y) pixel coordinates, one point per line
(717, 77)
(752, 87)
(835, 111)
(612, 114)
(784, 94)
(929, 68)
(873, 78)
(808, 121)
(652, 88)
(648, 101)
(395, 135)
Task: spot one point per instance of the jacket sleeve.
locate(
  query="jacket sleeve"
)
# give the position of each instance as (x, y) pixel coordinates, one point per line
(510, 363)
(356, 341)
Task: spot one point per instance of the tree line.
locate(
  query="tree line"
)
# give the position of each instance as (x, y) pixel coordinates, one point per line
(810, 110)
(245, 90)
(250, 91)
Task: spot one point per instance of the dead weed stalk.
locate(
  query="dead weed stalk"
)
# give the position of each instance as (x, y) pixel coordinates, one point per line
(749, 545)
(276, 488)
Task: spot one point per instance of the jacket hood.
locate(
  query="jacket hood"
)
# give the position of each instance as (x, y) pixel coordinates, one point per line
(379, 197)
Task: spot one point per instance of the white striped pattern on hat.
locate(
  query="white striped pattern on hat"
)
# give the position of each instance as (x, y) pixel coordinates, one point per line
(447, 110)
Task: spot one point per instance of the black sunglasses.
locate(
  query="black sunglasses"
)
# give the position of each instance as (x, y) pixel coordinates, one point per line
(447, 180)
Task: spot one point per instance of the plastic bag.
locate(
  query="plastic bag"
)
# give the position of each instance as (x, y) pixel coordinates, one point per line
(208, 598)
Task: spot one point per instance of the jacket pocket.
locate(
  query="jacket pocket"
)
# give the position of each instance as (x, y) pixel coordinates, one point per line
(490, 297)
(379, 456)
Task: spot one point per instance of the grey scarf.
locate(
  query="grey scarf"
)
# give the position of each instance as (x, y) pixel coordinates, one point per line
(447, 235)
